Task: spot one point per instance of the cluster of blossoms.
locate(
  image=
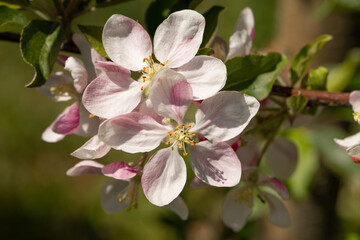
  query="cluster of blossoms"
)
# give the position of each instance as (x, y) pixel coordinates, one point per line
(152, 112)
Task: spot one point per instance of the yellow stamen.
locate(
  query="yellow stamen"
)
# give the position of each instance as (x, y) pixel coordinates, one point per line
(142, 88)
(91, 116)
(185, 154)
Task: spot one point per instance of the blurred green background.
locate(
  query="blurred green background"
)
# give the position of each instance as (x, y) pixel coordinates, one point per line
(38, 201)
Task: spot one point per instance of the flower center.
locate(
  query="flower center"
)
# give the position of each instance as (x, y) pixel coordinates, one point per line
(357, 116)
(63, 90)
(149, 71)
(180, 136)
(245, 195)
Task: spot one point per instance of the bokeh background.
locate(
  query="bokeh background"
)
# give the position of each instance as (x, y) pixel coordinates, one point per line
(38, 201)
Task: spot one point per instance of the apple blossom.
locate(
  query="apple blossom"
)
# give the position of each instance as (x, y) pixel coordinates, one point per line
(61, 87)
(352, 143)
(176, 42)
(121, 191)
(219, 118)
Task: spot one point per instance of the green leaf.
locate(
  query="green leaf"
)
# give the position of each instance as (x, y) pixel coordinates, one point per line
(317, 78)
(108, 3)
(262, 85)
(94, 35)
(243, 71)
(205, 51)
(11, 19)
(296, 103)
(40, 44)
(211, 19)
(157, 11)
(16, 2)
(305, 56)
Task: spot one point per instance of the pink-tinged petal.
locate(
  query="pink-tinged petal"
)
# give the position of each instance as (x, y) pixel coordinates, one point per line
(248, 155)
(278, 213)
(354, 152)
(239, 44)
(235, 211)
(179, 207)
(95, 57)
(215, 163)
(86, 52)
(68, 121)
(61, 59)
(356, 159)
(196, 183)
(55, 79)
(349, 141)
(147, 108)
(50, 136)
(85, 167)
(109, 195)
(246, 22)
(164, 177)
(354, 100)
(79, 73)
(88, 125)
(206, 75)
(92, 149)
(170, 94)
(133, 132)
(126, 42)
(119, 170)
(178, 38)
(112, 94)
(281, 158)
(225, 115)
(275, 184)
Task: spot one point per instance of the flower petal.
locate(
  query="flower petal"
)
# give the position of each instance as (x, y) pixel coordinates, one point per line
(88, 125)
(133, 132)
(215, 163)
(85, 167)
(178, 38)
(349, 141)
(112, 94)
(354, 152)
(164, 177)
(68, 121)
(50, 136)
(275, 184)
(281, 158)
(234, 211)
(79, 73)
(239, 44)
(225, 115)
(354, 100)
(246, 22)
(55, 79)
(126, 42)
(92, 149)
(179, 207)
(278, 213)
(86, 52)
(170, 94)
(109, 195)
(147, 108)
(206, 75)
(119, 170)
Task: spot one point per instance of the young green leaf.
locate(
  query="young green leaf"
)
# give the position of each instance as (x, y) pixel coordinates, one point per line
(305, 56)
(205, 51)
(296, 103)
(10, 19)
(262, 85)
(40, 44)
(211, 19)
(94, 35)
(317, 78)
(243, 71)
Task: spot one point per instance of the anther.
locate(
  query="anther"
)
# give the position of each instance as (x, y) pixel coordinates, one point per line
(167, 143)
(185, 154)
(144, 60)
(192, 144)
(91, 116)
(142, 88)
(189, 126)
(182, 124)
(193, 134)
(100, 118)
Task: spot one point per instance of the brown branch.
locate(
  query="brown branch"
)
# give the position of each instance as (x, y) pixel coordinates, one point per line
(317, 96)
(14, 37)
